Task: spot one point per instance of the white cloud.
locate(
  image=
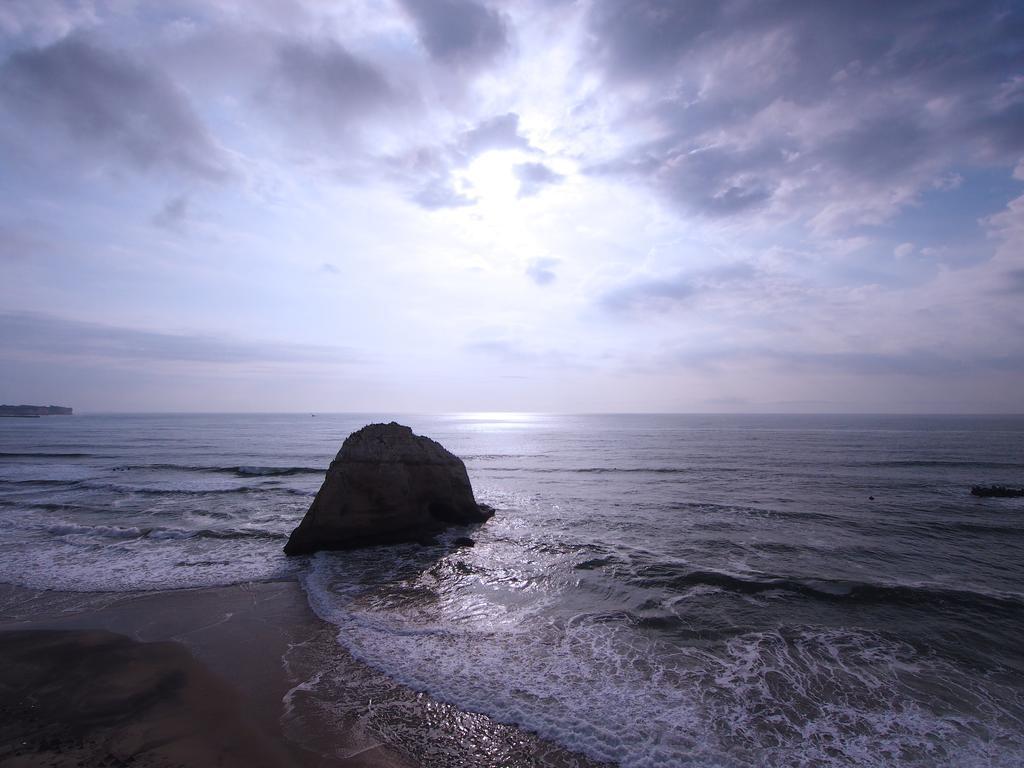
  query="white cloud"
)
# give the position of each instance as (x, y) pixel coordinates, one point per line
(903, 250)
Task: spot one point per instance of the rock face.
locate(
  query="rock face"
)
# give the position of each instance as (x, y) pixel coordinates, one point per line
(387, 485)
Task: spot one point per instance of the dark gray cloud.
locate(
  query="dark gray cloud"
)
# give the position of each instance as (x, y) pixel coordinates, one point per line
(110, 104)
(943, 43)
(638, 38)
(714, 181)
(32, 336)
(542, 270)
(173, 215)
(460, 33)
(499, 132)
(811, 104)
(880, 147)
(533, 177)
(320, 83)
(663, 294)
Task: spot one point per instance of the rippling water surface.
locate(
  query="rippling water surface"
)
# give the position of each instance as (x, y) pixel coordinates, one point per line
(654, 590)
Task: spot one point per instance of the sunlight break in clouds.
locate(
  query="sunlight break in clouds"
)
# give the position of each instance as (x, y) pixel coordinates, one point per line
(462, 205)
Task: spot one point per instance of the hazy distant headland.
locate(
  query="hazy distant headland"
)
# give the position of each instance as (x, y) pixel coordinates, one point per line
(34, 411)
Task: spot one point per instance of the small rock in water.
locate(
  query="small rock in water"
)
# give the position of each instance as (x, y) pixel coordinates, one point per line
(997, 491)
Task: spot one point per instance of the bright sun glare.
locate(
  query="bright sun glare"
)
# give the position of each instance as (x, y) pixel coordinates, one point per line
(491, 177)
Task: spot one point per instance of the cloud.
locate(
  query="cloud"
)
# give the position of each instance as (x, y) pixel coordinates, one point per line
(541, 271)
(715, 181)
(439, 193)
(533, 177)
(903, 250)
(510, 351)
(36, 336)
(44, 20)
(499, 132)
(1007, 226)
(649, 295)
(837, 114)
(325, 85)
(459, 33)
(429, 172)
(110, 104)
(173, 214)
(664, 294)
(912, 362)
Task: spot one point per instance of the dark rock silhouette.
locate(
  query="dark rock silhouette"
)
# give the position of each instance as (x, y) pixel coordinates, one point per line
(997, 491)
(34, 411)
(387, 485)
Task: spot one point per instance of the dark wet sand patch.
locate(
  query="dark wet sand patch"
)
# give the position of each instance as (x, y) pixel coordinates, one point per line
(95, 698)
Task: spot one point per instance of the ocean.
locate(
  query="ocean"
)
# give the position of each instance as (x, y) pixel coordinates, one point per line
(654, 590)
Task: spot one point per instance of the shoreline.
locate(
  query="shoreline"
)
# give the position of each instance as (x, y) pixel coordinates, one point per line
(267, 664)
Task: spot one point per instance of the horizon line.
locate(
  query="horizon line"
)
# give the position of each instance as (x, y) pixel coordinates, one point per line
(543, 413)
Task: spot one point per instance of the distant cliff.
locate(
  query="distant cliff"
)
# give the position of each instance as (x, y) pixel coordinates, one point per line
(34, 411)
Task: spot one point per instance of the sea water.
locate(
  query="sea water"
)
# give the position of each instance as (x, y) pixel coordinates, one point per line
(653, 590)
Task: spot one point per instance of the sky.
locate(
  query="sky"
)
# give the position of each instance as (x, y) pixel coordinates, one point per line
(554, 206)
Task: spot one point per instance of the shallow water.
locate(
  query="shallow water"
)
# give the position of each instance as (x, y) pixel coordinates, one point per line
(654, 590)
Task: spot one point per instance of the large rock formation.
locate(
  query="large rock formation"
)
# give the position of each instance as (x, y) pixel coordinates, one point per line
(387, 485)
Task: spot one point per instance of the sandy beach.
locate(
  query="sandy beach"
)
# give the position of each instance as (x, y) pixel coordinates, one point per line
(191, 677)
(213, 677)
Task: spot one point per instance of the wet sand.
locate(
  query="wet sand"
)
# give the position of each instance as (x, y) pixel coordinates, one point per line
(95, 698)
(222, 676)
